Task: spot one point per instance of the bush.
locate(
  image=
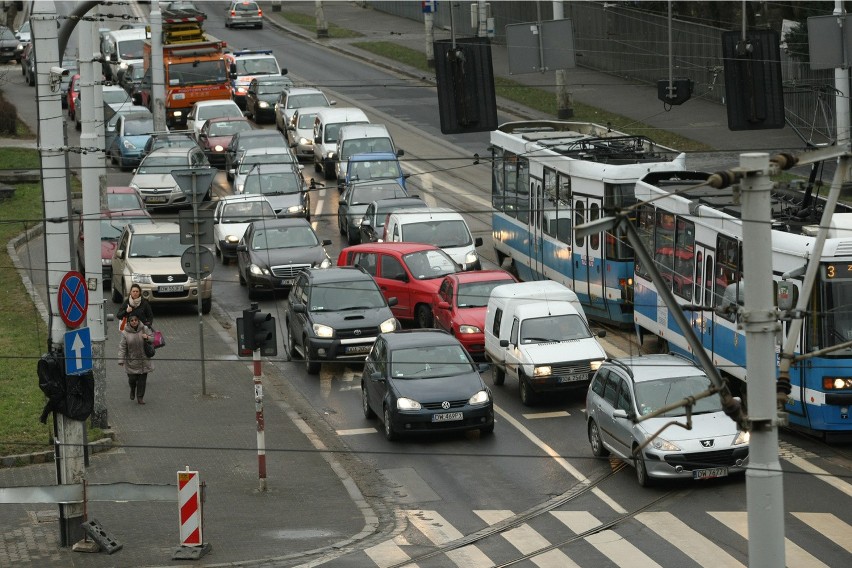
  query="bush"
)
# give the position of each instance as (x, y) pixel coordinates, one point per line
(8, 118)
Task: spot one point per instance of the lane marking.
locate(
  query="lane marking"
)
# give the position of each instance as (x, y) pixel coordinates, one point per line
(556, 414)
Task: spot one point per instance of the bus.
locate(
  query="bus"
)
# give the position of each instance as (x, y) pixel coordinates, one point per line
(547, 177)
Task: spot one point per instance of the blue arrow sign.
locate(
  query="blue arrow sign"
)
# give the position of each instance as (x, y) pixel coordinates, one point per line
(78, 351)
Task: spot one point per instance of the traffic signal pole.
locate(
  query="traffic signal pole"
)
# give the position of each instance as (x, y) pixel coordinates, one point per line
(258, 414)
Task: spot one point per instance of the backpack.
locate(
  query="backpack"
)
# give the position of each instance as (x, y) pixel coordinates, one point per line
(52, 382)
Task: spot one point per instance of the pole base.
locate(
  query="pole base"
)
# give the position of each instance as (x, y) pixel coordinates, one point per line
(565, 113)
(322, 33)
(86, 546)
(191, 552)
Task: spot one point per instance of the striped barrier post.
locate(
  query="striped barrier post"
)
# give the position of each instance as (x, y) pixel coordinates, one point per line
(189, 505)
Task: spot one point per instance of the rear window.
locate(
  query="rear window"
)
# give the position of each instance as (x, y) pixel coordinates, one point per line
(246, 7)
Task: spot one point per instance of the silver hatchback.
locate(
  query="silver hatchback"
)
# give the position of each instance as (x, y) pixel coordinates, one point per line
(623, 391)
(244, 14)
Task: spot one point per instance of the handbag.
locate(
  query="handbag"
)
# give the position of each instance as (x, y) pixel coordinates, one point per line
(122, 324)
(159, 339)
(149, 349)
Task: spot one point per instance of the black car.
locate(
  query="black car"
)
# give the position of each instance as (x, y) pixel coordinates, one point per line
(335, 314)
(354, 202)
(423, 380)
(373, 221)
(273, 251)
(242, 141)
(173, 139)
(9, 46)
(262, 94)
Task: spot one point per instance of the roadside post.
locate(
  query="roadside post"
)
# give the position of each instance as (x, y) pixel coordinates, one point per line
(191, 517)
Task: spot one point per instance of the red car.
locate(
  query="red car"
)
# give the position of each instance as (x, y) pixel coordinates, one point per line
(459, 306)
(409, 272)
(124, 200)
(72, 96)
(215, 137)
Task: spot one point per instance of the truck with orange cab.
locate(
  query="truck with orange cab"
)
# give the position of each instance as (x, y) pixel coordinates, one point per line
(194, 65)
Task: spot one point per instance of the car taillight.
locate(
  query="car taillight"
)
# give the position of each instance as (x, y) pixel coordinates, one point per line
(259, 13)
(233, 13)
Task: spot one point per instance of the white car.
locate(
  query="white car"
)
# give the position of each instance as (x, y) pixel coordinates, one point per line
(232, 217)
(204, 110)
(295, 98)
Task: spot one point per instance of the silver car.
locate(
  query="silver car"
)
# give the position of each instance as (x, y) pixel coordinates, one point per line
(300, 134)
(254, 156)
(153, 178)
(627, 389)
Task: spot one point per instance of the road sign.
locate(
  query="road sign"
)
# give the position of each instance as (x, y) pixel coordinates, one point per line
(73, 299)
(206, 262)
(78, 351)
(195, 181)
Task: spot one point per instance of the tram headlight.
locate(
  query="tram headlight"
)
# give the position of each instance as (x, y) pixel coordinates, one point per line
(836, 383)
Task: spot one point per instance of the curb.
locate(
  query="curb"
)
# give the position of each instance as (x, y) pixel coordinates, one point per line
(20, 460)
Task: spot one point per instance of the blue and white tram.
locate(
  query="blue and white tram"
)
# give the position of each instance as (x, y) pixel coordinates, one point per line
(548, 176)
(695, 235)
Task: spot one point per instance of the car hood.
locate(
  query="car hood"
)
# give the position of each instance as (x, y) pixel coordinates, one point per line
(471, 316)
(160, 265)
(138, 140)
(714, 426)
(369, 317)
(224, 229)
(357, 210)
(292, 255)
(456, 387)
(283, 201)
(561, 351)
(154, 181)
(223, 141)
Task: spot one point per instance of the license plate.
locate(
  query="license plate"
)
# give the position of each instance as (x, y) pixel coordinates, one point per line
(573, 378)
(359, 349)
(156, 199)
(177, 288)
(287, 282)
(710, 473)
(447, 417)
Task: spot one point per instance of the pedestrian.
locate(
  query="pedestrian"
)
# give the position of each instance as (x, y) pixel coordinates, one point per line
(135, 304)
(131, 356)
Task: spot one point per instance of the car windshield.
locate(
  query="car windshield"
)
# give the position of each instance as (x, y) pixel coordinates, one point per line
(384, 211)
(247, 211)
(366, 145)
(111, 228)
(172, 142)
(250, 162)
(138, 126)
(123, 201)
(228, 128)
(476, 294)
(376, 169)
(283, 237)
(6, 34)
(197, 73)
(216, 111)
(367, 193)
(338, 296)
(113, 97)
(653, 395)
(130, 49)
(429, 264)
(273, 88)
(449, 233)
(306, 121)
(312, 100)
(264, 141)
(158, 245)
(554, 328)
(429, 362)
(162, 164)
(272, 183)
(256, 66)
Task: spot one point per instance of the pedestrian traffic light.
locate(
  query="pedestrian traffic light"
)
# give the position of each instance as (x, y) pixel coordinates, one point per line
(467, 101)
(259, 329)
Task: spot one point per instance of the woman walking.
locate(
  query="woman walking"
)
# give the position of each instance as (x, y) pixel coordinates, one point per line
(135, 304)
(131, 355)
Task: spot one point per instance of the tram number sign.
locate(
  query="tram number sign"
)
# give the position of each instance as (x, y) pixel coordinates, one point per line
(838, 270)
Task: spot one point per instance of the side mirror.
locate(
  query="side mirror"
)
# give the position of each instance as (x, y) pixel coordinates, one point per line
(300, 308)
(400, 152)
(504, 343)
(119, 253)
(365, 223)
(392, 301)
(442, 305)
(326, 242)
(284, 71)
(317, 140)
(619, 413)
(601, 333)
(242, 248)
(376, 376)
(477, 242)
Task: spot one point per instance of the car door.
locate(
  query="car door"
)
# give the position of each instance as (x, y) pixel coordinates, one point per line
(393, 280)
(243, 258)
(513, 352)
(297, 322)
(446, 293)
(343, 209)
(377, 389)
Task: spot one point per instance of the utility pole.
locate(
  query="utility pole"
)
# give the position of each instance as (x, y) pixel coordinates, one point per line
(70, 465)
(564, 99)
(429, 25)
(764, 480)
(322, 24)
(158, 73)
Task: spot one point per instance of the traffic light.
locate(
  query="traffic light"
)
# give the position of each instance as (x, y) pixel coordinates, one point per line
(259, 329)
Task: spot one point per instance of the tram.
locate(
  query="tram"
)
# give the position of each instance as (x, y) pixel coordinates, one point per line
(694, 234)
(547, 177)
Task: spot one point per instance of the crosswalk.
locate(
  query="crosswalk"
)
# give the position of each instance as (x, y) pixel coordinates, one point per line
(574, 539)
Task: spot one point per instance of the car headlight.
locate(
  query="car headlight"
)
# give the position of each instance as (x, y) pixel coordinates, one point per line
(479, 398)
(218, 148)
(742, 438)
(664, 445)
(388, 325)
(258, 270)
(296, 209)
(323, 331)
(106, 262)
(471, 257)
(407, 404)
(241, 90)
(304, 141)
(595, 365)
(141, 278)
(325, 263)
(232, 238)
(469, 329)
(542, 371)
(128, 145)
(329, 155)
(263, 104)
(134, 187)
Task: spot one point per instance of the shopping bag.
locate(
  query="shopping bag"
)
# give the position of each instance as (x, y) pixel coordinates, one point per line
(159, 339)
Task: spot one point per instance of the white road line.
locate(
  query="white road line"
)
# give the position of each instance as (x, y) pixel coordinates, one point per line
(607, 542)
(695, 545)
(559, 459)
(440, 532)
(558, 414)
(387, 554)
(795, 555)
(357, 431)
(527, 540)
(830, 527)
(820, 474)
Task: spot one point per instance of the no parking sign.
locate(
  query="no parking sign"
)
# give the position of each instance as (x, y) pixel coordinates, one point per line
(73, 299)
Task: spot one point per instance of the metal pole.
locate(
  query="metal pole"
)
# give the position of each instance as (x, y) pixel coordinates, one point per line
(258, 411)
(322, 24)
(564, 100)
(429, 23)
(198, 282)
(158, 73)
(764, 481)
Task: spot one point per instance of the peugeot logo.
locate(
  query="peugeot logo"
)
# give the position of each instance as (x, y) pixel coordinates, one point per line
(357, 332)
(445, 405)
(707, 443)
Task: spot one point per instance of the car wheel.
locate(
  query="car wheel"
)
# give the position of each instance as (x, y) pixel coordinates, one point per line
(423, 316)
(225, 260)
(352, 238)
(390, 433)
(206, 305)
(340, 226)
(317, 167)
(116, 297)
(365, 403)
(487, 431)
(525, 391)
(498, 374)
(291, 343)
(598, 448)
(641, 471)
(312, 364)
(242, 278)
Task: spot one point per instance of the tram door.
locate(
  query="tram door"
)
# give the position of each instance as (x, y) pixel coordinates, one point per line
(588, 251)
(536, 226)
(702, 320)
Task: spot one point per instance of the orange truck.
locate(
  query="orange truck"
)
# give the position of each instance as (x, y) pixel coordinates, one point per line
(194, 65)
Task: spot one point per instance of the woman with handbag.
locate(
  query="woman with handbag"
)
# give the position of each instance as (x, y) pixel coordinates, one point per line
(134, 303)
(132, 356)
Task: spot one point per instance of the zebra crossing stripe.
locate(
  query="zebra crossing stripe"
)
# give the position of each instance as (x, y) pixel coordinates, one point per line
(527, 540)
(830, 527)
(440, 532)
(796, 555)
(607, 542)
(691, 542)
(387, 553)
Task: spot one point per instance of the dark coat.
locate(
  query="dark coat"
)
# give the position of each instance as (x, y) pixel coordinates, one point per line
(143, 312)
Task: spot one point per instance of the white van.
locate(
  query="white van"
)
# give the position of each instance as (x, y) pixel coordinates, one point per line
(122, 48)
(537, 333)
(438, 226)
(361, 139)
(327, 125)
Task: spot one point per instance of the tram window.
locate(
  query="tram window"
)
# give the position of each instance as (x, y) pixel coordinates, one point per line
(561, 228)
(618, 197)
(708, 280)
(618, 246)
(684, 264)
(699, 266)
(836, 314)
(498, 182)
(594, 215)
(645, 227)
(579, 219)
(664, 251)
(550, 205)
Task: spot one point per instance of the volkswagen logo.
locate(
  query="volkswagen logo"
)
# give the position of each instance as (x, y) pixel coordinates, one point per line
(445, 405)
(707, 443)
(357, 332)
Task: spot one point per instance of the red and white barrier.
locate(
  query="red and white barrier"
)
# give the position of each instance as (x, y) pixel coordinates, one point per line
(189, 504)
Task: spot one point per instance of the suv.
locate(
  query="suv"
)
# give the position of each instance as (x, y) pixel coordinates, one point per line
(149, 254)
(623, 395)
(324, 323)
